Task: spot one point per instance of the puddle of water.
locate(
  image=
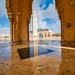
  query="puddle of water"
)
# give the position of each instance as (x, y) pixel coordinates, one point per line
(23, 53)
(5, 51)
(35, 49)
(29, 52)
(39, 48)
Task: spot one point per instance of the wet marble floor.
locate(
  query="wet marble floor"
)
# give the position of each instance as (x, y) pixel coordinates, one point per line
(37, 58)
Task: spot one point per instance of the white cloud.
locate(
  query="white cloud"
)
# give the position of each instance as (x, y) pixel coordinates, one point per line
(50, 12)
(4, 30)
(2, 8)
(43, 25)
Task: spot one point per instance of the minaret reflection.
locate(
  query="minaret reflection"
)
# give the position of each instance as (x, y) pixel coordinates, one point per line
(35, 47)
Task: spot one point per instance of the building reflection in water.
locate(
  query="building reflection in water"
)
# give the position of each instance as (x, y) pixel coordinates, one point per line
(42, 62)
(31, 51)
(35, 48)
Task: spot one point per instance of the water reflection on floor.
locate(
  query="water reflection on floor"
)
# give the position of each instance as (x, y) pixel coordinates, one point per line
(37, 58)
(37, 49)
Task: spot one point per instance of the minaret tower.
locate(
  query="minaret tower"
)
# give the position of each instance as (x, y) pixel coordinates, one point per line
(34, 18)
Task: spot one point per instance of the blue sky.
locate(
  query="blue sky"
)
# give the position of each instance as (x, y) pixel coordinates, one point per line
(4, 22)
(44, 4)
(46, 14)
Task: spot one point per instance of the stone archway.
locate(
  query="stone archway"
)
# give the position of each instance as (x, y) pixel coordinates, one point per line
(19, 13)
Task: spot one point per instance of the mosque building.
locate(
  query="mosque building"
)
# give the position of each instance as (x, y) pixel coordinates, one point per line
(38, 33)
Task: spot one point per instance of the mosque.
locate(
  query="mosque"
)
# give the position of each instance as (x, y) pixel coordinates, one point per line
(38, 33)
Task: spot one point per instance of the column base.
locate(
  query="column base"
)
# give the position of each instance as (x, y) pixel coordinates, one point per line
(19, 43)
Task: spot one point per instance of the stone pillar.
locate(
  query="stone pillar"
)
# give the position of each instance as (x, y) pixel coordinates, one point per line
(66, 10)
(11, 26)
(68, 20)
(28, 22)
(16, 28)
(11, 32)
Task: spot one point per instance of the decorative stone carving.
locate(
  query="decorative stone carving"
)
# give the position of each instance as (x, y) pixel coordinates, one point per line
(10, 16)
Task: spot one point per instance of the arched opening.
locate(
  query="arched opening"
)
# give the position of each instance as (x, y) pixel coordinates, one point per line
(48, 34)
(47, 18)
